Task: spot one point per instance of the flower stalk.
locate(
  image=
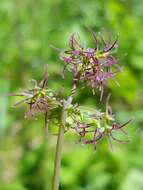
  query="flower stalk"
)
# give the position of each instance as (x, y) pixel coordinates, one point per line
(46, 124)
(57, 163)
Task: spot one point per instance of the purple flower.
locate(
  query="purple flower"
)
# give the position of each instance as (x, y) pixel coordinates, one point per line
(93, 126)
(95, 66)
(39, 98)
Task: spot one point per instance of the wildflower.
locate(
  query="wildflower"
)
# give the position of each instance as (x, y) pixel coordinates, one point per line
(39, 99)
(95, 65)
(92, 126)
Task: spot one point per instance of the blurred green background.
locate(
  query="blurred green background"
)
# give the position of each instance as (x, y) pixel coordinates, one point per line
(27, 28)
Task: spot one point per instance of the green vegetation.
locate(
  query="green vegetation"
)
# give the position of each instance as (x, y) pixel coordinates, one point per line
(27, 28)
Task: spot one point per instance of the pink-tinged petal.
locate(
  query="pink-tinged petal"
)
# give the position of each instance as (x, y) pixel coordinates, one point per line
(107, 35)
(111, 46)
(102, 39)
(109, 61)
(94, 38)
(44, 81)
(95, 60)
(73, 43)
(75, 52)
(65, 59)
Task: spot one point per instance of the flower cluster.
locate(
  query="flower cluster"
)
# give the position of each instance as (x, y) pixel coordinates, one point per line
(39, 98)
(92, 65)
(92, 125)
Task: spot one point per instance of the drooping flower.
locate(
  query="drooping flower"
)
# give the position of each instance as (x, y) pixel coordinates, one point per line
(94, 66)
(92, 125)
(39, 99)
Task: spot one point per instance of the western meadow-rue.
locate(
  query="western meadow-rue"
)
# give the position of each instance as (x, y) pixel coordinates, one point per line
(94, 67)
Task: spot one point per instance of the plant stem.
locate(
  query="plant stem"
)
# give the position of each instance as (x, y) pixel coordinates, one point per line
(57, 164)
(46, 124)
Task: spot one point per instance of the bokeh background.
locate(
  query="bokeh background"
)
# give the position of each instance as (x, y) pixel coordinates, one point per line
(27, 28)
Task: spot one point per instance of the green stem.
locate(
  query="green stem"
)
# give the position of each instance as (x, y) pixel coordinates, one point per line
(57, 164)
(46, 124)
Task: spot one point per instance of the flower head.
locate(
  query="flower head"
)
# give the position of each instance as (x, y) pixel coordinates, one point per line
(39, 98)
(92, 125)
(95, 65)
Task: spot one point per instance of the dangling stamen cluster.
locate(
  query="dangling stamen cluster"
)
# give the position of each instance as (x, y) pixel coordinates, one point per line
(39, 98)
(92, 126)
(92, 65)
